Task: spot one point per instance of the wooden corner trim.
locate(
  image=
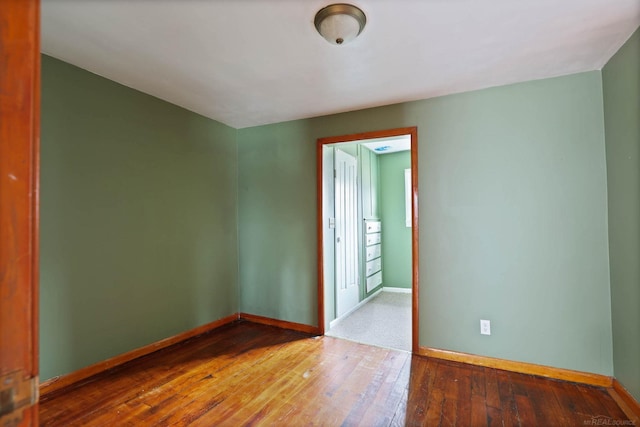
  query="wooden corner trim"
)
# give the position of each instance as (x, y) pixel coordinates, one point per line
(283, 324)
(62, 381)
(519, 367)
(626, 401)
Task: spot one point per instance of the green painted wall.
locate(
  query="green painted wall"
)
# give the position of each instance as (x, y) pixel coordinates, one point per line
(277, 222)
(513, 219)
(138, 219)
(396, 236)
(621, 85)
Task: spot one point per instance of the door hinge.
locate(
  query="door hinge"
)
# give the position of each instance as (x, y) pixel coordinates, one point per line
(16, 394)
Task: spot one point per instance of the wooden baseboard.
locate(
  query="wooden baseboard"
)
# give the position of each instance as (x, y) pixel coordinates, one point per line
(57, 383)
(520, 367)
(626, 401)
(314, 330)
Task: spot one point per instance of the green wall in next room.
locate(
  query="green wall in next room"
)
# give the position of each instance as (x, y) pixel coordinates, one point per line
(138, 219)
(396, 236)
(621, 86)
(512, 212)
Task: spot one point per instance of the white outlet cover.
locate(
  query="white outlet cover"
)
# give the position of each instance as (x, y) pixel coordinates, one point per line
(485, 327)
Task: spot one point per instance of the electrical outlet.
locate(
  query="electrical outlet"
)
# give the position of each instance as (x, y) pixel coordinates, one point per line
(485, 327)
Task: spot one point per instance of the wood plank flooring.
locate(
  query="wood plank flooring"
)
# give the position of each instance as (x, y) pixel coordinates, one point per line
(250, 374)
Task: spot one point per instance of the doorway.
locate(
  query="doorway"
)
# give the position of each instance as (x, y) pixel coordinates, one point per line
(369, 283)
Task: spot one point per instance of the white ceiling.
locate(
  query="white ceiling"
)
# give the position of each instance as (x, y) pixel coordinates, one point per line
(388, 145)
(252, 62)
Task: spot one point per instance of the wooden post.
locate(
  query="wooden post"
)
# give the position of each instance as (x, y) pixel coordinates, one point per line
(19, 157)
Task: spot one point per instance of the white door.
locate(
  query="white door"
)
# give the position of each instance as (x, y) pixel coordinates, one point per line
(346, 205)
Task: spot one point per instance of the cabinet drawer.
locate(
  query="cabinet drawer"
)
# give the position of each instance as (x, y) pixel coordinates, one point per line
(373, 252)
(373, 266)
(373, 239)
(372, 226)
(374, 281)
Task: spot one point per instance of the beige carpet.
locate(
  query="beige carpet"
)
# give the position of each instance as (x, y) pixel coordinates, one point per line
(384, 321)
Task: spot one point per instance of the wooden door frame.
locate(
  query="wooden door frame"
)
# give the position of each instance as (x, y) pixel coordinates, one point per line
(415, 298)
(19, 202)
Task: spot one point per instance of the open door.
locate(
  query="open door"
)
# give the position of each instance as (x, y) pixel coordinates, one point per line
(346, 240)
(19, 136)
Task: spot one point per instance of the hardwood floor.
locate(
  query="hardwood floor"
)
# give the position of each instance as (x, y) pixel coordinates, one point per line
(250, 374)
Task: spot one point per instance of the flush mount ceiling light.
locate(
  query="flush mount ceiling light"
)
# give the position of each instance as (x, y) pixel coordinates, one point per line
(340, 23)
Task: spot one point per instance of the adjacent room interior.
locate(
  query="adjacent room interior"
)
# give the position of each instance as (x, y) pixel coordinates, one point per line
(367, 240)
(169, 207)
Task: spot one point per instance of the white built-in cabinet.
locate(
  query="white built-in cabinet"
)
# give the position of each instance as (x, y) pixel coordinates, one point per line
(371, 224)
(369, 184)
(373, 254)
